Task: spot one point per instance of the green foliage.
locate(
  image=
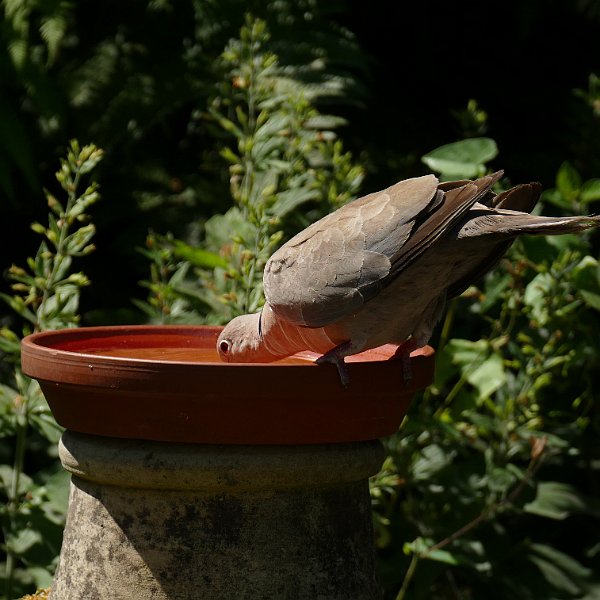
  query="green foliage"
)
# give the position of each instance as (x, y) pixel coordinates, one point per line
(483, 476)
(571, 193)
(31, 35)
(462, 160)
(592, 94)
(287, 168)
(472, 119)
(172, 297)
(45, 295)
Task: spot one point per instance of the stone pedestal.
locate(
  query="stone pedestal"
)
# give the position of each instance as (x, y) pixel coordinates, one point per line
(154, 520)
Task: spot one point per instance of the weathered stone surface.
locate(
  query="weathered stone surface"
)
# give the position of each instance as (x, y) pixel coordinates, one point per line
(187, 522)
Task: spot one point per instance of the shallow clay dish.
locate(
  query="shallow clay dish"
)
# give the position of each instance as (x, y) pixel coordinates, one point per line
(167, 383)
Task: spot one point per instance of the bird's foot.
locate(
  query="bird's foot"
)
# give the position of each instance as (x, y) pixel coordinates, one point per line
(404, 352)
(336, 356)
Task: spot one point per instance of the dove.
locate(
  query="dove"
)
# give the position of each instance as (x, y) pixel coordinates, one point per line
(380, 269)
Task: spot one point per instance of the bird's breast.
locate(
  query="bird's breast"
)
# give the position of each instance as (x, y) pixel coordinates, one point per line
(282, 338)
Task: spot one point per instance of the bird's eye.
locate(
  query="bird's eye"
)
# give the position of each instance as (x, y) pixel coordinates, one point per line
(224, 346)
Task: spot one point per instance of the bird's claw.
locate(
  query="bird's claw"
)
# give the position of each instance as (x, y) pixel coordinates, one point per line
(336, 356)
(404, 352)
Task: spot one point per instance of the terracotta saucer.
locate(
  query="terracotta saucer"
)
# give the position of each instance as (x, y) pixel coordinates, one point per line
(166, 383)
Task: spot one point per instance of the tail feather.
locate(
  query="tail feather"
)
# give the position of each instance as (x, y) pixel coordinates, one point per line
(521, 197)
(491, 231)
(505, 224)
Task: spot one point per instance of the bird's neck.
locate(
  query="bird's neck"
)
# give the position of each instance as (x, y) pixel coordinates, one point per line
(281, 338)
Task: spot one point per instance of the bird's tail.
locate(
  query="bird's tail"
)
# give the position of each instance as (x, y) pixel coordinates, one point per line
(491, 227)
(522, 199)
(508, 223)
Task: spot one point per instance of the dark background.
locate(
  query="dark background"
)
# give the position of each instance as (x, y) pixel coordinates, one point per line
(146, 76)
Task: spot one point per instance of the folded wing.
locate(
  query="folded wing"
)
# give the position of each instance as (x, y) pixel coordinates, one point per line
(333, 267)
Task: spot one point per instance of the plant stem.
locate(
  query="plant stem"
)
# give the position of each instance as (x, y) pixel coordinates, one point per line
(64, 230)
(447, 326)
(412, 567)
(248, 180)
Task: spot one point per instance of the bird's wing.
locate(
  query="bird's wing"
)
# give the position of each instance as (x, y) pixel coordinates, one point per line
(333, 267)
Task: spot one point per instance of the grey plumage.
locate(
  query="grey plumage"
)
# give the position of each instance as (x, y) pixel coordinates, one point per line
(380, 269)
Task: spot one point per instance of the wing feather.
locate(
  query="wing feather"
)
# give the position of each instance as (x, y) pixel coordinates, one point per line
(334, 266)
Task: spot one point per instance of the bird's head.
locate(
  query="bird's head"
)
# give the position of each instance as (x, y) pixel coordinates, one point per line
(240, 341)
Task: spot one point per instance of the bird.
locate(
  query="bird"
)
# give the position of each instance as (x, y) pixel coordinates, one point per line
(381, 268)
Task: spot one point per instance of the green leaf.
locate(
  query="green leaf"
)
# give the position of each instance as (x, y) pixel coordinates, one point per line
(42, 578)
(488, 377)
(586, 274)
(536, 296)
(593, 591)
(18, 305)
(6, 480)
(568, 180)
(569, 242)
(227, 124)
(559, 569)
(18, 53)
(481, 367)
(465, 352)
(57, 491)
(9, 346)
(21, 541)
(272, 127)
(556, 500)
(442, 556)
(553, 196)
(417, 546)
(220, 229)
(262, 150)
(591, 299)
(62, 266)
(324, 122)
(229, 155)
(52, 31)
(45, 424)
(197, 256)
(7, 393)
(463, 159)
(590, 191)
(495, 287)
(289, 200)
(430, 461)
(420, 547)
(500, 479)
